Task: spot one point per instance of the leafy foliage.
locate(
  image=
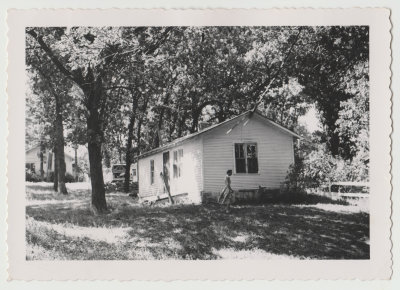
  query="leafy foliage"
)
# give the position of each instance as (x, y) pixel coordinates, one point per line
(126, 90)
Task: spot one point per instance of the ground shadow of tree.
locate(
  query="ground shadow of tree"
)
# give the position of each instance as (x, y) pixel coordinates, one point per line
(200, 231)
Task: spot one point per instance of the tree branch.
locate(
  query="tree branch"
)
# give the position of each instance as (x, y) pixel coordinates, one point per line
(128, 88)
(48, 82)
(278, 71)
(147, 50)
(52, 56)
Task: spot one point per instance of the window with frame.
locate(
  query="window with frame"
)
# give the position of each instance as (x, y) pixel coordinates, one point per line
(30, 166)
(134, 172)
(177, 163)
(246, 160)
(151, 171)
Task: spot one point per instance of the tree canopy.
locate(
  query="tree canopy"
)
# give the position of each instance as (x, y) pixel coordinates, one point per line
(125, 90)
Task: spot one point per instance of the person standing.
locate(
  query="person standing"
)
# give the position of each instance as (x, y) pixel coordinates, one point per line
(226, 193)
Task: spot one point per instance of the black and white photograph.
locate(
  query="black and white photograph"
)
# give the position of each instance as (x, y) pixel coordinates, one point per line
(197, 143)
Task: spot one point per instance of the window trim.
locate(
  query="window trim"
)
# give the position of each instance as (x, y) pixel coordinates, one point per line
(246, 142)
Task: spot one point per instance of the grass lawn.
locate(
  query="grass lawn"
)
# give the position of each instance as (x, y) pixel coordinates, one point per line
(63, 227)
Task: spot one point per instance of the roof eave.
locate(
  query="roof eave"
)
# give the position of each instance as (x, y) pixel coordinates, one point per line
(189, 137)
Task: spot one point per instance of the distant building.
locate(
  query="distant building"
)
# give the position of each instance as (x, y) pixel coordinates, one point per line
(32, 161)
(118, 172)
(257, 150)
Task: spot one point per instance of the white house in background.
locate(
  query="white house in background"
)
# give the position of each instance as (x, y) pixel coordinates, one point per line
(32, 161)
(257, 150)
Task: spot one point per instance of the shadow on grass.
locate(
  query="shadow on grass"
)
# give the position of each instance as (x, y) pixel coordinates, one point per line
(44, 191)
(201, 231)
(196, 231)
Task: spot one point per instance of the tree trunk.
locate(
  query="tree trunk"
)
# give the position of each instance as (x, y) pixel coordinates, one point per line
(41, 149)
(172, 126)
(93, 92)
(55, 176)
(119, 149)
(76, 164)
(195, 122)
(330, 112)
(60, 148)
(139, 126)
(158, 139)
(181, 125)
(139, 133)
(128, 156)
(99, 204)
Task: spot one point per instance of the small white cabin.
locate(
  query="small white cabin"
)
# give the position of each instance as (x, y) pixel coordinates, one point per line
(32, 161)
(257, 150)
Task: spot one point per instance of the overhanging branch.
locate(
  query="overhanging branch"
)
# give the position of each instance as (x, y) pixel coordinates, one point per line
(277, 72)
(52, 56)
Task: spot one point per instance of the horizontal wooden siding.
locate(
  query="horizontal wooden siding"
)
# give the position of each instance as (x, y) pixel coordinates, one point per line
(275, 154)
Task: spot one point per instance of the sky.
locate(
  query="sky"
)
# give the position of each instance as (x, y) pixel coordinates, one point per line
(310, 120)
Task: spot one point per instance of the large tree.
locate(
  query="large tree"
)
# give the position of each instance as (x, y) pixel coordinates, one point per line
(86, 56)
(54, 100)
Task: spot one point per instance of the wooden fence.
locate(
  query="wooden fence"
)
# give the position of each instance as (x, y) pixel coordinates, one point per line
(347, 194)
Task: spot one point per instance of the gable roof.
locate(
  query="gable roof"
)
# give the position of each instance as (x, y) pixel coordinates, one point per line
(212, 127)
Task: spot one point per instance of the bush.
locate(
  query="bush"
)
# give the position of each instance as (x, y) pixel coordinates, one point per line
(69, 177)
(118, 186)
(32, 176)
(319, 168)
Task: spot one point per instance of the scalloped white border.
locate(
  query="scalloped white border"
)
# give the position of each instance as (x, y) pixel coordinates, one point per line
(378, 267)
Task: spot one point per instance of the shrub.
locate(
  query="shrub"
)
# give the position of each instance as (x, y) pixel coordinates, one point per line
(118, 186)
(319, 168)
(32, 176)
(69, 177)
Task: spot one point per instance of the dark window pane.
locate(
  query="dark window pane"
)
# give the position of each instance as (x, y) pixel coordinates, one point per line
(240, 166)
(239, 152)
(30, 166)
(252, 164)
(151, 171)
